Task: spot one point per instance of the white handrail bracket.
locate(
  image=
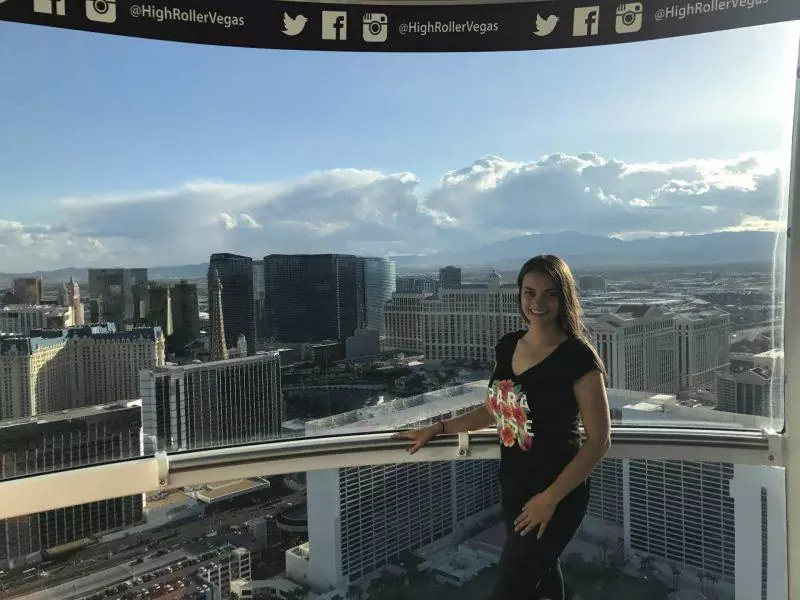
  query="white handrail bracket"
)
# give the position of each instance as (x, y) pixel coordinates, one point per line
(463, 444)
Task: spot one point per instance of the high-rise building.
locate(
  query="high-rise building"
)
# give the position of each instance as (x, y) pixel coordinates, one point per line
(259, 295)
(70, 295)
(315, 297)
(379, 285)
(461, 323)
(34, 375)
(28, 290)
(185, 314)
(759, 495)
(141, 305)
(682, 512)
(160, 308)
(211, 404)
(703, 348)
(218, 344)
(120, 292)
(22, 318)
(365, 342)
(104, 364)
(63, 295)
(410, 284)
(747, 392)
(362, 518)
(60, 369)
(592, 283)
(701, 518)
(96, 312)
(638, 346)
(450, 277)
(72, 438)
(407, 318)
(238, 307)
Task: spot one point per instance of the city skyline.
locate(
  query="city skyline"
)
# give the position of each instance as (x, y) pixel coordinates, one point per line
(126, 154)
(446, 179)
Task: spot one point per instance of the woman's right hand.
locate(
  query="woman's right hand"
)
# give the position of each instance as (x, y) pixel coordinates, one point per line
(420, 437)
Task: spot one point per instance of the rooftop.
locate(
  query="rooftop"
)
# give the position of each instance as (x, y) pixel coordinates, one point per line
(174, 497)
(73, 413)
(635, 311)
(45, 308)
(202, 366)
(231, 489)
(403, 411)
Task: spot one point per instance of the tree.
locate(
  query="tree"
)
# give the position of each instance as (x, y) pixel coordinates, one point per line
(354, 592)
(713, 580)
(676, 573)
(617, 564)
(647, 567)
(583, 535)
(701, 577)
(299, 593)
(604, 545)
(386, 587)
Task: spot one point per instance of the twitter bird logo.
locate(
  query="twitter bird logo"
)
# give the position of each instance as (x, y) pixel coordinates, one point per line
(545, 26)
(293, 26)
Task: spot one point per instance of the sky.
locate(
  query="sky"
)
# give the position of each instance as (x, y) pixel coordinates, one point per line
(125, 152)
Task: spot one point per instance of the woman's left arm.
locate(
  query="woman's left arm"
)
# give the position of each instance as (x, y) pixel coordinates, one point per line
(593, 406)
(590, 393)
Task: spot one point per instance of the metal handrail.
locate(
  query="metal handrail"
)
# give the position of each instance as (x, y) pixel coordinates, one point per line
(59, 489)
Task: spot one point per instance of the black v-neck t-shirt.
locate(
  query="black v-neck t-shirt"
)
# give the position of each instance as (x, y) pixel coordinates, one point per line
(536, 412)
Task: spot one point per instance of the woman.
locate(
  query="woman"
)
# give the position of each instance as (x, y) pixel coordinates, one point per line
(546, 379)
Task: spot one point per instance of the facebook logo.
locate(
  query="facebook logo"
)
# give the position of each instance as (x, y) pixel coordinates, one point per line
(586, 21)
(334, 25)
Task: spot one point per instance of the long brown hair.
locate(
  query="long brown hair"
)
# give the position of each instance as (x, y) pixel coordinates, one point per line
(570, 314)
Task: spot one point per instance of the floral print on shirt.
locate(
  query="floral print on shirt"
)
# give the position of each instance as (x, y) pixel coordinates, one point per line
(509, 405)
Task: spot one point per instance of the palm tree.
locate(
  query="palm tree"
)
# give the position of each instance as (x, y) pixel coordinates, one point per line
(604, 545)
(375, 588)
(646, 567)
(701, 577)
(616, 566)
(676, 573)
(713, 580)
(354, 592)
(299, 593)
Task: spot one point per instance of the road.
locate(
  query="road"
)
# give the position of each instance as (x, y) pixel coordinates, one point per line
(750, 332)
(164, 579)
(96, 581)
(75, 579)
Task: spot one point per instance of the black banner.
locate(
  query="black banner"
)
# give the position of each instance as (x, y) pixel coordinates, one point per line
(400, 28)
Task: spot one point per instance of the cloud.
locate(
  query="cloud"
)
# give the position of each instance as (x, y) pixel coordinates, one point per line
(369, 212)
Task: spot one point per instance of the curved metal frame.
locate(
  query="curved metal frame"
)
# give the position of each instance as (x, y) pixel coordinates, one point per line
(792, 359)
(47, 491)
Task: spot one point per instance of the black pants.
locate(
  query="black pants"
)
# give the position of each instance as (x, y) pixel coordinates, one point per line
(529, 568)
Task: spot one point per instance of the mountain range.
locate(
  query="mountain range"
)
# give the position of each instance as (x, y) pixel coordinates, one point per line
(578, 249)
(586, 250)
